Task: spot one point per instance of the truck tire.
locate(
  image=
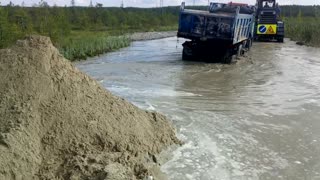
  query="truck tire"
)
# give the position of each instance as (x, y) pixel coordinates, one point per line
(227, 57)
(240, 51)
(187, 54)
(249, 44)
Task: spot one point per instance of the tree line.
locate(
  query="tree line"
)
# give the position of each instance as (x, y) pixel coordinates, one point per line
(63, 22)
(295, 11)
(58, 22)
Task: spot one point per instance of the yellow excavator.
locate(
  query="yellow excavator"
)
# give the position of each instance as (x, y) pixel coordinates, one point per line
(269, 25)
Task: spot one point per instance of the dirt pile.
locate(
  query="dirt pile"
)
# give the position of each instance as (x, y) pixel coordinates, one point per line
(58, 123)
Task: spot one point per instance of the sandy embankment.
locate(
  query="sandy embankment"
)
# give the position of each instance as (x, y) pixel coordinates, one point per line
(58, 123)
(141, 36)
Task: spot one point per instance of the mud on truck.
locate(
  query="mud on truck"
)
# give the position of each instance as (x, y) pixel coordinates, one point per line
(219, 33)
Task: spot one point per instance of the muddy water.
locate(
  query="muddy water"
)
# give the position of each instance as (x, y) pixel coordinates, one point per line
(256, 119)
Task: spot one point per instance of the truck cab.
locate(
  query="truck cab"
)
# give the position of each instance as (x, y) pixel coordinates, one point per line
(268, 21)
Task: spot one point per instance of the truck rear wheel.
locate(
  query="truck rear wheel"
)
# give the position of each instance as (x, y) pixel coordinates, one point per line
(249, 44)
(240, 51)
(187, 53)
(227, 58)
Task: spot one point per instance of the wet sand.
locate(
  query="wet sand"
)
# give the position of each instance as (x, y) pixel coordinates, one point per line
(58, 123)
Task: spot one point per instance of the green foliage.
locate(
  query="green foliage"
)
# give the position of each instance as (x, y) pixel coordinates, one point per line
(88, 46)
(304, 29)
(296, 11)
(4, 28)
(8, 31)
(82, 31)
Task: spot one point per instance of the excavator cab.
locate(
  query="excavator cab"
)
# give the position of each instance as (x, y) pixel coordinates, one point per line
(267, 4)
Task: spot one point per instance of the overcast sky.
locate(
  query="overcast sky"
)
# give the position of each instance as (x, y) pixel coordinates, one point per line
(148, 3)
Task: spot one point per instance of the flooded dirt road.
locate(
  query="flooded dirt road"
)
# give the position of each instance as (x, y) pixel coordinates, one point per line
(256, 119)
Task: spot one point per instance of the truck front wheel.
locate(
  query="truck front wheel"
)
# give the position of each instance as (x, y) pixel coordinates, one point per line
(228, 57)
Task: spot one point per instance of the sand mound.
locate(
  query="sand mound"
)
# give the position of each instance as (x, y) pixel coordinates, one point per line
(58, 123)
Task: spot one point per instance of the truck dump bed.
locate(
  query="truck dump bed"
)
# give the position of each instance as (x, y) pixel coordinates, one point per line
(227, 25)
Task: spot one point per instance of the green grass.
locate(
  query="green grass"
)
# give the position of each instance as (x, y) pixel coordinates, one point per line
(306, 30)
(80, 45)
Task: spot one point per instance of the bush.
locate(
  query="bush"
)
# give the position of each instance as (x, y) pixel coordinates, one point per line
(75, 49)
(304, 29)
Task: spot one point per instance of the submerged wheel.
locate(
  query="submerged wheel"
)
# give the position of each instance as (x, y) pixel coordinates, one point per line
(249, 44)
(227, 57)
(187, 53)
(240, 50)
(280, 40)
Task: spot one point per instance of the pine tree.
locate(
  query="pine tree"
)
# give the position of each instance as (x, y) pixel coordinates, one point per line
(122, 4)
(10, 4)
(43, 4)
(73, 3)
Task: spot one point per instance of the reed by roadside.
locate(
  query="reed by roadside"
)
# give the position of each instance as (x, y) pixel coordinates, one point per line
(81, 45)
(304, 30)
(81, 48)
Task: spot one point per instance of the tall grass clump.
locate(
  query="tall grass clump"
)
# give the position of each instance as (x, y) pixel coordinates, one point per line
(81, 48)
(303, 29)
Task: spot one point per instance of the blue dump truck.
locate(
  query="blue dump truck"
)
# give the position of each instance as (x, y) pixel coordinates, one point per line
(219, 33)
